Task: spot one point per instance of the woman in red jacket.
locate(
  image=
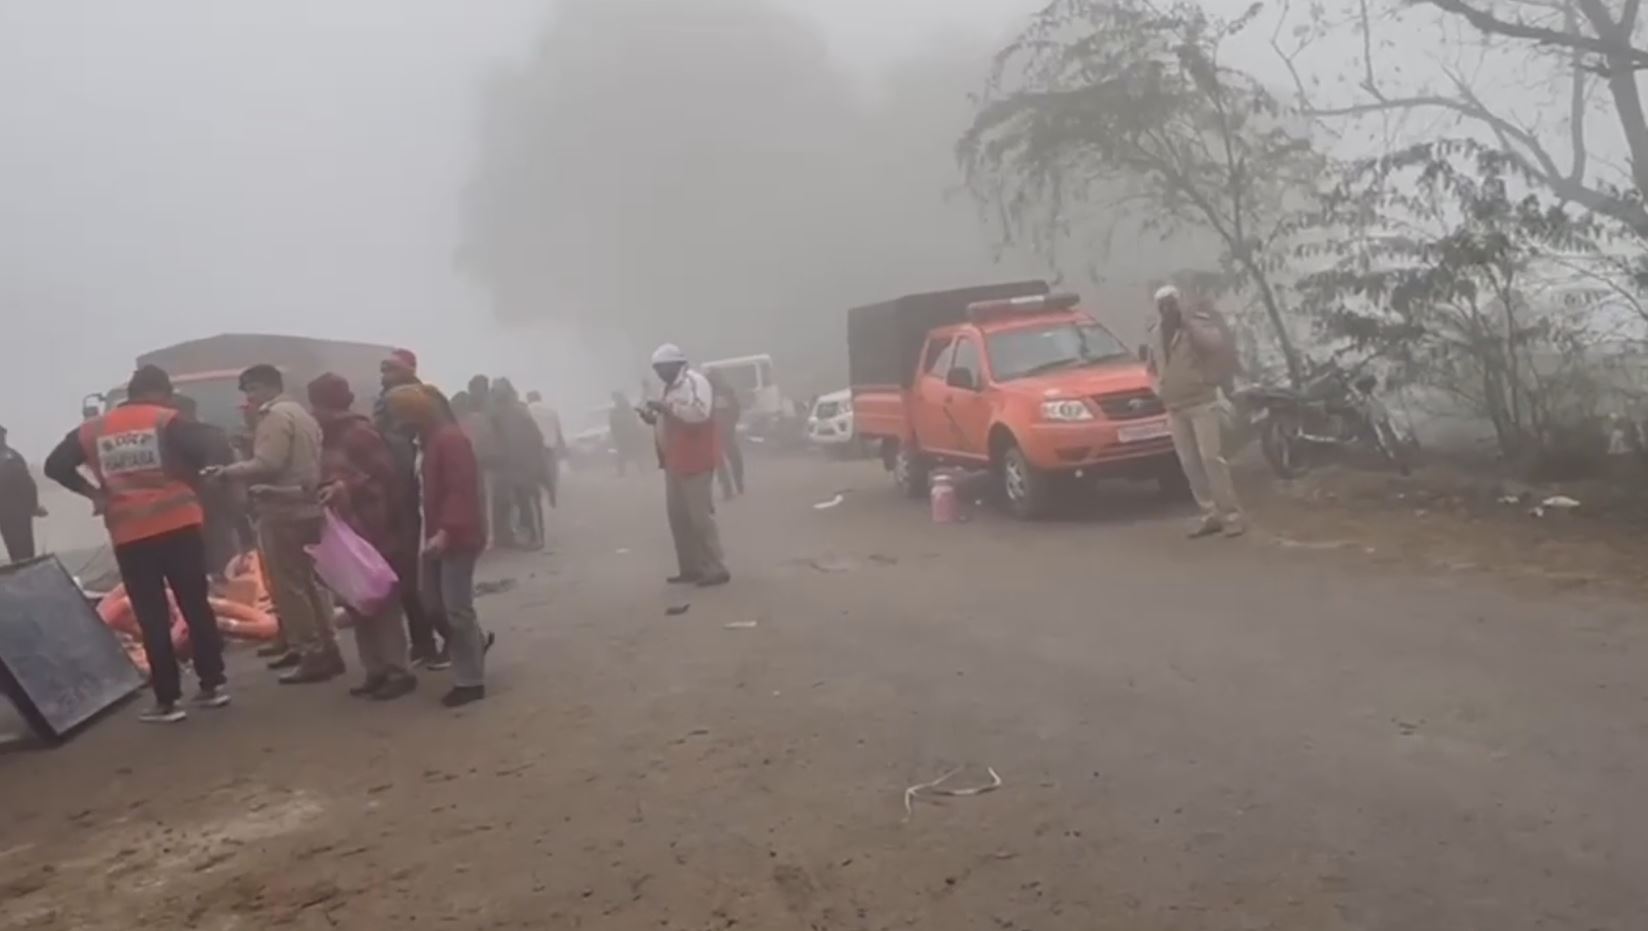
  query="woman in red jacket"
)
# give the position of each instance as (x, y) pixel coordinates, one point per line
(454, 532)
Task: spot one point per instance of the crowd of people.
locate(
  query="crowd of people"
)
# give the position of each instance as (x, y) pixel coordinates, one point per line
(430, 482)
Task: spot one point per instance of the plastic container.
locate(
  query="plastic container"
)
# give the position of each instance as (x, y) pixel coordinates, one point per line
(941, 494)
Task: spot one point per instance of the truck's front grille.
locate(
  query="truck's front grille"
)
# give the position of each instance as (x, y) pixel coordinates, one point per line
(1130, 405)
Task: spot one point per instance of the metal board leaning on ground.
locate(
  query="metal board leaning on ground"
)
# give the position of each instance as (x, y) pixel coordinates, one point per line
(59, 664)
(883, 340)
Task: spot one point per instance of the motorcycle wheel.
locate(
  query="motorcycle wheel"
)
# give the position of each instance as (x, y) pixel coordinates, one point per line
(1281, 445)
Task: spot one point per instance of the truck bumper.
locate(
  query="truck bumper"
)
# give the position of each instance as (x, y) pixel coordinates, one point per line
(1100, 446)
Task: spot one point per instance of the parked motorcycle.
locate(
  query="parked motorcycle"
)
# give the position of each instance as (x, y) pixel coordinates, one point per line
(1336, 412)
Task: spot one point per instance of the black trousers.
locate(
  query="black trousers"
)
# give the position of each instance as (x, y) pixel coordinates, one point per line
(148, 567)
(529, 509)
(17, 531)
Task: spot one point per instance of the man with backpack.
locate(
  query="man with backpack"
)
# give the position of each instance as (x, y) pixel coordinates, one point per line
(1192, 356)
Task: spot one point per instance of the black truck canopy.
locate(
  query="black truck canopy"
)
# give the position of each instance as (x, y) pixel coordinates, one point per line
(884, 340)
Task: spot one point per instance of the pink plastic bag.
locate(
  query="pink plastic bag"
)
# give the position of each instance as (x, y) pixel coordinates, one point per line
(352, 568)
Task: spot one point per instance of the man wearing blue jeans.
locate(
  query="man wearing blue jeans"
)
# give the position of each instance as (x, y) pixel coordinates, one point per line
(454, 527)
(449, 593)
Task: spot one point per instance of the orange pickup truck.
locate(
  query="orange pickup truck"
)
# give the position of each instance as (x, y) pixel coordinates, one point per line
(1010, 378)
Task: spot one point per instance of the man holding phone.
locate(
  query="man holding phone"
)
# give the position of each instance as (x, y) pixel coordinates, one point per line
(689, 449)
(284, 478)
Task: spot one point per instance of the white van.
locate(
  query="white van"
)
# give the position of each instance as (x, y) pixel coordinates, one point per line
(751, 378)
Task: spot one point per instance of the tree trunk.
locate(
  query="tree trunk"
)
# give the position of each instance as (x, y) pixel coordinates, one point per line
(1273, 310)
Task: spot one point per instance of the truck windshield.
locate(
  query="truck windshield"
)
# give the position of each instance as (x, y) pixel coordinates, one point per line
(218, 401)
(1034, 350)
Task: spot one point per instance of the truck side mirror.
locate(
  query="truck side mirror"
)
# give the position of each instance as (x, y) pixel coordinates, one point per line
(961, 378)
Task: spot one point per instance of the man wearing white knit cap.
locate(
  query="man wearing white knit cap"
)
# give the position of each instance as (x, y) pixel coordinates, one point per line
(1192, 355)
(690, 449)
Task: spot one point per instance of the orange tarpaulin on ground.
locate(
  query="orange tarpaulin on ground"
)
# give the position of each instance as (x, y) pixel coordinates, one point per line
(244, 613)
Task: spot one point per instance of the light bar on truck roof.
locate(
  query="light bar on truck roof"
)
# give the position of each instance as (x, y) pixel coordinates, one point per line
(1021, 306)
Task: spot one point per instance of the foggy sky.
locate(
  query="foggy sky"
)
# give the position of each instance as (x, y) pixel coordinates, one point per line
(174, 169)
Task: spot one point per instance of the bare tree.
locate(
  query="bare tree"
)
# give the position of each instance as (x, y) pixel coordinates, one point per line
(1121, 111)
(1438, 268)
(1594, 49)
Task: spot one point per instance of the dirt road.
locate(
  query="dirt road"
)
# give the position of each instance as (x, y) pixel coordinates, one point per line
(1212, 735)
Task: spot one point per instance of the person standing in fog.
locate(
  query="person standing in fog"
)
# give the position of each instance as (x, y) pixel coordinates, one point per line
(689, 448)
(284, 478)
(475, 417)
(1191, 356)
(628, 436)
(730, 473)
(362, 484)
(401, 368)
(454, 529)
(19, 503)
(518, 495)
(145, 459)
(549, 424)
(228, 530)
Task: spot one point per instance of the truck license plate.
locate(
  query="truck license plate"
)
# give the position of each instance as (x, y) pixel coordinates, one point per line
(1143, 431)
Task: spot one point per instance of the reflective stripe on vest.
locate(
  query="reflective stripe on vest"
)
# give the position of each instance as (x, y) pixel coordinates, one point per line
(123, 450)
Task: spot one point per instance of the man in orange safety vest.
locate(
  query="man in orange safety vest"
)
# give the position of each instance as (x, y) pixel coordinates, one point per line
(145, 460)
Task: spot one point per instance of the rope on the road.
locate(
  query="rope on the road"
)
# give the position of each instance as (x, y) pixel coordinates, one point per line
(935, 788)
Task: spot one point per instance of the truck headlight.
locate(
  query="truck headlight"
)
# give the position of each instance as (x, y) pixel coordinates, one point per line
(1065, 411)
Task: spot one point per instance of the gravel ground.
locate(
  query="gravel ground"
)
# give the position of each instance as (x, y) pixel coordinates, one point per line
(1212, 735)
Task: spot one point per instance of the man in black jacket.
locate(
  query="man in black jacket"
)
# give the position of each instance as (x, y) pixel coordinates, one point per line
(19, 503)
(228, 527)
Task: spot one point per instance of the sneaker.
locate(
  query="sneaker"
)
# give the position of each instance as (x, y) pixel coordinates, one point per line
(289, 661)
(163, 713)
(441, 660)
(272, 650)
(395, 687)
(462, 695)
(314, 669)
(714, 580)
(370, 686)
(1206, 528)
(215, 697)
(1235, 528)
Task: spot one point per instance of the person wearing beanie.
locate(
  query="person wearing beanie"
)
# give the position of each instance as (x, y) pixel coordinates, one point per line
(400, 369)
(454, 533)
(362, 484)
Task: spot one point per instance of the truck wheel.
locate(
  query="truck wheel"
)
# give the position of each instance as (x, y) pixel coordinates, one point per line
(1027, 490)
(910, 470)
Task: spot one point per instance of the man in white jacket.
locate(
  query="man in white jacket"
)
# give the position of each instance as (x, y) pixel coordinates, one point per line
(690, 450)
